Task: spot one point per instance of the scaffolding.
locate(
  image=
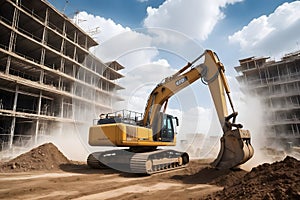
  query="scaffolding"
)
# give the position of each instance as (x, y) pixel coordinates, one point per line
(47, 74)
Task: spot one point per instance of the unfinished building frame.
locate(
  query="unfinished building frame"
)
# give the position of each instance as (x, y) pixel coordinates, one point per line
(47, 73)
(278, 83)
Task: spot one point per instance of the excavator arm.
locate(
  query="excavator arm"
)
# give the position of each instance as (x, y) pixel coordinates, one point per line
(211, 72)
(235, 144)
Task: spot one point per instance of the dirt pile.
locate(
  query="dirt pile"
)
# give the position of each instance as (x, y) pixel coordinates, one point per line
(44, 157)
(279, 180)
(209, 175)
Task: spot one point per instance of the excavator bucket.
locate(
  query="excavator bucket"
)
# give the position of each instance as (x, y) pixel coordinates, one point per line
(235, 149)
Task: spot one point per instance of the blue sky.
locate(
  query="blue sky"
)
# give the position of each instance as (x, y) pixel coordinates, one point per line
(132, 13)
(154, 38)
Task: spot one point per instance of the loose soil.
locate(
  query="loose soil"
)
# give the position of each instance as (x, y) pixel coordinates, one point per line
(280, 180)
(45, 173)
(44, 157)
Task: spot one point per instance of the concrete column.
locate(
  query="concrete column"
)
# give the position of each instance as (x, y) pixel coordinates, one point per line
(13, 122)
(45, 31)
(12, 131)
(12, 41)
(16, 17)
(62, 64)
(8, 65)
(39, 103)
(62, 47)
(37, 124)
(46, 22)
(92, 80)
(42, 74)
(84, 72)
(74, 71)
(75, 57)
(44, 39)
(62, 108)
(16, 98)
(75, 37)
(60, 83)
(38, 120)
(64, 28)
(13, 37)
(73, 106)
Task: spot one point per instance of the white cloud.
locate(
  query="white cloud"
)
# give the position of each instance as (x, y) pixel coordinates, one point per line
(194, 18)
(140, 81)
(273, 35)
(162, 62)
(100, 28)
(129, 48)
(197, 120)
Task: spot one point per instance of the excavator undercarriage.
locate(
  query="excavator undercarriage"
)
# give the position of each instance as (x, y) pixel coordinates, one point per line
(145, 163)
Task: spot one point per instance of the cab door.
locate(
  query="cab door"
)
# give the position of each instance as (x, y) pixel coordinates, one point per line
(167, 130)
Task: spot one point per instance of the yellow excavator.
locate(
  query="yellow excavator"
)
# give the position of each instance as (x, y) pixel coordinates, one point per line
(142, 134)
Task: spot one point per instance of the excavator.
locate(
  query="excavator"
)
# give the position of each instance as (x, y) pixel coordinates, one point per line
(142, 134)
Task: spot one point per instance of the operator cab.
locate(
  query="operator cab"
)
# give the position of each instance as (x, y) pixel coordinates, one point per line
(164, 129)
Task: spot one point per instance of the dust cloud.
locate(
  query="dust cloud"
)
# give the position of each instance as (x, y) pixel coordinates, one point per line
(253, 117)
(69, 141)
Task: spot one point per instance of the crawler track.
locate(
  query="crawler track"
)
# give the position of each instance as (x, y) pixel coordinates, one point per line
(94, 162)
(143, 163)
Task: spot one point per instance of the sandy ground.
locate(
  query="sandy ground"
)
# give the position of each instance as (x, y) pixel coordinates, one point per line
(45, 173)
(77, 181)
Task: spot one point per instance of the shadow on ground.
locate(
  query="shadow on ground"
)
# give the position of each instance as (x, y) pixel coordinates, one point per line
(82, 168)
(209, 175)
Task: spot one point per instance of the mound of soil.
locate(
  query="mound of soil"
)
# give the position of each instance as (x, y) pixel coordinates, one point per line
(44, 157)
(209, 175)
(279, 180)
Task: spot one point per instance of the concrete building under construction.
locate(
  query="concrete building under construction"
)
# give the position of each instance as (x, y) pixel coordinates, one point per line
(278, 84)
(48, 78)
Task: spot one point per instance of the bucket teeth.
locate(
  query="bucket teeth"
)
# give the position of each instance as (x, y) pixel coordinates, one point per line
(235, 149)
